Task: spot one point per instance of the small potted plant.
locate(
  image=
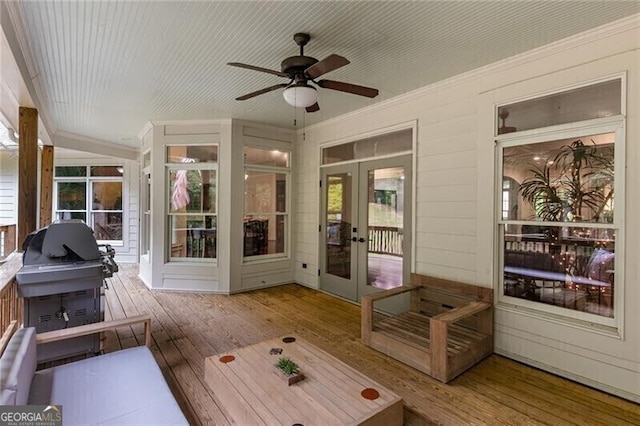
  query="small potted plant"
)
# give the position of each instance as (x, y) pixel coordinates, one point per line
(289, 370)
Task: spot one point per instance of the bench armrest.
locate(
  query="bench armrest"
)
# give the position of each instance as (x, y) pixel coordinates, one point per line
(461, 312)
(87, 329)
(366, 309)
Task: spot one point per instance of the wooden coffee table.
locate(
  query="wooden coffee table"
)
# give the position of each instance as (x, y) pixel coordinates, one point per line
(250, 391)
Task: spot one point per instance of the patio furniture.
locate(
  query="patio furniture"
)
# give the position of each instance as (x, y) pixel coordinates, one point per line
(122, 387)
(248, 389)
(448, 328)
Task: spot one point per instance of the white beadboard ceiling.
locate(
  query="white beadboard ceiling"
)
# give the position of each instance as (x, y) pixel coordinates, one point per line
(102, 69)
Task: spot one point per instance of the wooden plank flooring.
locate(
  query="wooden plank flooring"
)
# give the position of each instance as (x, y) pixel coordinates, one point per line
(187, 327)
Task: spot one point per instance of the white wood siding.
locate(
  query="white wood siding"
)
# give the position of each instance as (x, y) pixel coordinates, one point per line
(8, 188)
(454, 206)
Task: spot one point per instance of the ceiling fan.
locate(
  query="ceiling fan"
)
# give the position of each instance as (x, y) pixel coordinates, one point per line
(301, 70)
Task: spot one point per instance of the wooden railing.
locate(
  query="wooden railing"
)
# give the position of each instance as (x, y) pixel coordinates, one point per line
(385, 240)
(10, 303)
(7, 240)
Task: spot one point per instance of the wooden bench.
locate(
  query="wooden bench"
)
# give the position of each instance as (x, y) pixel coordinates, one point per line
(448, 328)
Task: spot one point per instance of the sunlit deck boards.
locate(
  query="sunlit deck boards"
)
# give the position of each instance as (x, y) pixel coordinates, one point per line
(186, 328)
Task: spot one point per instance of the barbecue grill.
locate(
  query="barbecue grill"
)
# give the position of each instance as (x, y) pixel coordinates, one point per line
(61, 284)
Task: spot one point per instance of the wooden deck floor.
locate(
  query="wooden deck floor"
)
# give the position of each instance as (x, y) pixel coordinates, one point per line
(189, 327)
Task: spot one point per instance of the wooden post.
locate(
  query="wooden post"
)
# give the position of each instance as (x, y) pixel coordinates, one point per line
(27, 173)
(46, 185)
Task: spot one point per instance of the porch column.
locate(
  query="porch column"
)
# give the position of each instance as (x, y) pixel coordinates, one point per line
(27, 173)
(46, 185)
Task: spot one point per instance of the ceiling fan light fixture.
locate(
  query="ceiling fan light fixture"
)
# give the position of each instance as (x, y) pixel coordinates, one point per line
(300, 96)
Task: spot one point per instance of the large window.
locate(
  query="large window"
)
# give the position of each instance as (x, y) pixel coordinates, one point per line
(266, 189)
(192, 187)
(92, 194)
(559, 225)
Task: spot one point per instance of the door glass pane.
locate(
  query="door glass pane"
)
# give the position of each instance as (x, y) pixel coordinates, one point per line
(385, 195)
(338, 244)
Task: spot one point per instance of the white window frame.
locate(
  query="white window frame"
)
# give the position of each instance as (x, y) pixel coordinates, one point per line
(88, 180)
(188, 166)
(287, 214)
(614, 125)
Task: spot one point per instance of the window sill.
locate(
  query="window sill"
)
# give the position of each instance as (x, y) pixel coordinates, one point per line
(555, 319)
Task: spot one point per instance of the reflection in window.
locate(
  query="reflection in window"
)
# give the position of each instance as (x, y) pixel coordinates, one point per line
(266, 189)
(338, 238)
(192, 181)
(564, 252)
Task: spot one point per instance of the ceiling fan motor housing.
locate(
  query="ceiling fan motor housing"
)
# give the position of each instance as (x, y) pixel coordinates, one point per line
(295, 65)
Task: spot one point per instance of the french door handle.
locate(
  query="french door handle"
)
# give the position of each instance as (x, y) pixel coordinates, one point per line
(362, 240)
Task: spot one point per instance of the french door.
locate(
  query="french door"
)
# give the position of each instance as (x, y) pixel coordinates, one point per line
(365, 227)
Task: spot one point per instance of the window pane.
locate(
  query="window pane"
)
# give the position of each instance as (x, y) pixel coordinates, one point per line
(266, 157)
(572, 268)
(193, 191)
(561, 181)
(72, 215)
(192, 154)
(72, 196)
(107, 226)
(264, 234)
(107, 171)
(193, 236)
(596, 101)
(375, 146)
(67, 171)
(265, 192)
(107, 195)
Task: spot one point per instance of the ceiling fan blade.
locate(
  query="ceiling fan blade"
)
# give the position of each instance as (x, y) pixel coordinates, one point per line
(313, 108)
(253, 67)
(260, 92)
(330, 63)
(349, 88)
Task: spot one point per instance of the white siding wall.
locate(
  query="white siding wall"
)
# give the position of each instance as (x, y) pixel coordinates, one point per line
(454, 207)
(8, 188)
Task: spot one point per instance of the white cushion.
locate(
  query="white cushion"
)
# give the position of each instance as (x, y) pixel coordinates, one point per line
(122, 388)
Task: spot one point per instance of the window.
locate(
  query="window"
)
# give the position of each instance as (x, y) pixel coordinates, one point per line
(266, 189)
(375, 146)
(558, 221)
(192, 187)
(145, 240)
(92, 194)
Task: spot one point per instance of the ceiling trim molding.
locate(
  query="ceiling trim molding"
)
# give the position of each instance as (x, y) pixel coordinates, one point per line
(13, 26)
(629, 23)
(96, 146)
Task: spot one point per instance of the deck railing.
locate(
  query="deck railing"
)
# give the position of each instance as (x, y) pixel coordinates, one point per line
(7, 240)
(385, 240)
(10, 302)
